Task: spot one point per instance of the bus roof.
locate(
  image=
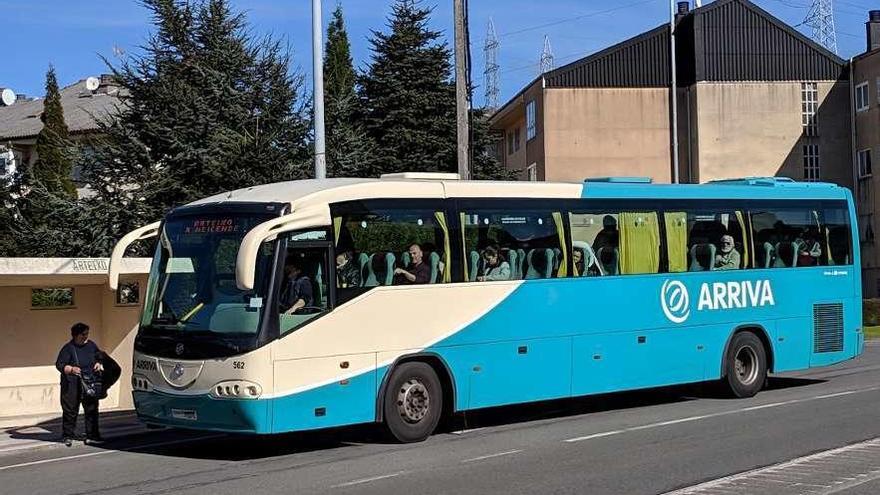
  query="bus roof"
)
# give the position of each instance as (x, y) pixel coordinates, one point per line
(310, 192)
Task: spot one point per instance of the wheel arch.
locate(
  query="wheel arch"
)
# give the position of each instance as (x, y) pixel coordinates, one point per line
(435, 361)
(762, 335)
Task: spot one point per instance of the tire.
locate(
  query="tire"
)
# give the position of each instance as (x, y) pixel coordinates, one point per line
(745, 365)
(413, 402)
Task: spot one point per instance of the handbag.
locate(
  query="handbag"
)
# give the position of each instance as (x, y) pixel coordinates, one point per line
(92, 385)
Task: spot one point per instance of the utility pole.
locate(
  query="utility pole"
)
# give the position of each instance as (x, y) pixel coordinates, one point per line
(673, 10)
(547, 56)
(318, 83)
(461, 88)
(821, 21)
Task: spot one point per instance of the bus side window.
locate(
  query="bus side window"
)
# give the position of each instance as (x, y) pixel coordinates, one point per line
(838, 236)
(706, 240)
(789, 237)
(625, 242)
(508, 244)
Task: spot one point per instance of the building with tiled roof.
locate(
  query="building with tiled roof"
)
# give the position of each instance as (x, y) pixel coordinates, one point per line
(20, 123)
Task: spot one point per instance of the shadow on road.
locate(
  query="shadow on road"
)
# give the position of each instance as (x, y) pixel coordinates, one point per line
(249, 447)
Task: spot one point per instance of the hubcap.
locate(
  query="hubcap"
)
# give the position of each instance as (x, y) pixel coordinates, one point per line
(746, 365)
(413, 401)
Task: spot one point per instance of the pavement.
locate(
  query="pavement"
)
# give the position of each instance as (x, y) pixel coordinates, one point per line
(813, 432)
(47, 433)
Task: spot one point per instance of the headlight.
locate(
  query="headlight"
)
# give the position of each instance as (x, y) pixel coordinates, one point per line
(236, 389)
(141, 383)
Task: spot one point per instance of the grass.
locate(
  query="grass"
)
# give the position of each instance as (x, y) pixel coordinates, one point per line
(872, 332)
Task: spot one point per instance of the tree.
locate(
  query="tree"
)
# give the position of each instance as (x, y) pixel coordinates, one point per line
(407, 95)
(485, 164)
(349, 148)
(54, 166)
(206, 108)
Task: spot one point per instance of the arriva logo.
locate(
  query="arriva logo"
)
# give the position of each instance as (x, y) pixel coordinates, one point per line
(675, 300)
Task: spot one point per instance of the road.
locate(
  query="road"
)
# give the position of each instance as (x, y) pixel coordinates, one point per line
(633, 443)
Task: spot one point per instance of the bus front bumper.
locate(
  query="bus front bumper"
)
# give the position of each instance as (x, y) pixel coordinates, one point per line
(202, 412)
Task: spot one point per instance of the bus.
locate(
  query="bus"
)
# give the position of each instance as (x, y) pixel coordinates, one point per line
(400, 300)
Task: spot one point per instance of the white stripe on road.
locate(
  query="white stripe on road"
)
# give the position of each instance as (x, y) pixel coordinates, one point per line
(718, 414)
(367, 480)
(104, 452)
(491, 456)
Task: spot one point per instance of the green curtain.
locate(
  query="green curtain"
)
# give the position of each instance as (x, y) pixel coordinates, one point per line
(744, 228)
(639, 242)
(337, 227)
(676, 240)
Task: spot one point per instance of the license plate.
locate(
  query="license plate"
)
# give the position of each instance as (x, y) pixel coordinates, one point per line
(187, 414)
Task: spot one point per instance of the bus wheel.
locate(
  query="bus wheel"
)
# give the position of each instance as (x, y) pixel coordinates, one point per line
(746, 365)
(413, 402)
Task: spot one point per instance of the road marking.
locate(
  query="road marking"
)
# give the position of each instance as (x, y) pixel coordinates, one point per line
(368, 480)
(689, 419)
(462, 432)
(491, 456)
(104, 452)
(841, 469)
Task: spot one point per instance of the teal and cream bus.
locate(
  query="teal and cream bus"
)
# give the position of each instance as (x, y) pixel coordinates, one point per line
(321, 303)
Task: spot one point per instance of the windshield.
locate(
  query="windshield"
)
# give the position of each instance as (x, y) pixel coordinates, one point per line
(192, 284)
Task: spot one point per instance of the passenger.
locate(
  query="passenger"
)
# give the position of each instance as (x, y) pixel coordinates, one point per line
(297, 292)
(609, 235)
(494, 266)
(417, 272)
(810, 249)
(729, 258)
(577, 257)
(347, 274)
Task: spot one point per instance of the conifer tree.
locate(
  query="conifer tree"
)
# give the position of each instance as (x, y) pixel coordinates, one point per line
(349, 148)
(54, 166)
(407, 94)
(206, 108)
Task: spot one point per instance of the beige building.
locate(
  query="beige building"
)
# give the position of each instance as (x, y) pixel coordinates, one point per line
(866, 106)
(755, 98)
(40, 298)
(83, 102)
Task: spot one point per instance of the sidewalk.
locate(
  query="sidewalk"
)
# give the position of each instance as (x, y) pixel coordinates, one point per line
(47, 433)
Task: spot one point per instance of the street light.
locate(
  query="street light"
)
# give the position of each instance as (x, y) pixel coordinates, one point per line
(318, 85)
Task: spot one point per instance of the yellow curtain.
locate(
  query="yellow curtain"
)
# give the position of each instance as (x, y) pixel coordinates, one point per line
(560, 231)
(464, 256)
(742, 225)
(676, 240)
(337, 227)
(447, 266)
(639, 242)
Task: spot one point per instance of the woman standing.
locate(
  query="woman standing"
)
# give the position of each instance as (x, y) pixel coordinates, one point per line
(79, 359)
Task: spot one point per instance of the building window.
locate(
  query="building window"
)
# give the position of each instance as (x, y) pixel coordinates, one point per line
(129, 294)
(52, 298)
(864, 163)
(866, 229)
(862, 102)
(809, 106)
(516, 139)
(531, 121)
(509, 143)
(533, 172)
(811, 162)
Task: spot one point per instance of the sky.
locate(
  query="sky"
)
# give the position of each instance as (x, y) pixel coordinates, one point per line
(74, 34)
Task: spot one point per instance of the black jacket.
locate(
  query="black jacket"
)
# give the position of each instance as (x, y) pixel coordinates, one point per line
(86, 355)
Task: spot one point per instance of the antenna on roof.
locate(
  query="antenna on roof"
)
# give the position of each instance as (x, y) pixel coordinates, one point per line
(7, 97)
(92, 83)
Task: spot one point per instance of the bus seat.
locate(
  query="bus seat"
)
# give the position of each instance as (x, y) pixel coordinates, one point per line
(520, 264)
(764, 255)
(404, 259)
(380, 269)
(609, 258)
(512, 258)
(473, 266)
(318, 283)
(363, 260)
(539, 263)
(786, 254)
(434, 260)
(702, 258)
